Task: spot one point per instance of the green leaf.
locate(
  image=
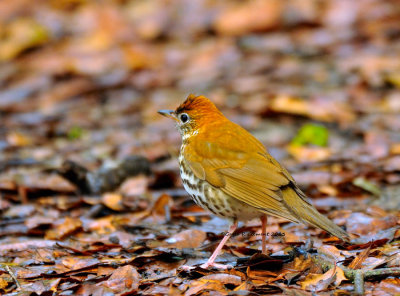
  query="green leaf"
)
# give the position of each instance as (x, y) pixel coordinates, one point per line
(367, 185)
(313, 134)
(75, 133)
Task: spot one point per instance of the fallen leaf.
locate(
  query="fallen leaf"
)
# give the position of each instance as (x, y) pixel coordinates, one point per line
(113, 201)
(316, 108)
(200, 285)
(394, 78)
(160, 204)
(191, 238)
(19, 139)
(372, 262)
(123, 279)
(332, 252)
(377, 143)
(19, 211)
(102, 225)
(74, 263)
(134, 186)
(257, 15)
(358, 261)
(360, 223)
(64, 228)
(310, 133)
(304, 153)
(3, 284)
(390, 286)
(21, 34)
(223, 278)
(320, 282)
(367, 185)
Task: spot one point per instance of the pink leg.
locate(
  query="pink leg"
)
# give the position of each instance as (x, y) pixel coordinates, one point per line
(210, 261)
(264, 233)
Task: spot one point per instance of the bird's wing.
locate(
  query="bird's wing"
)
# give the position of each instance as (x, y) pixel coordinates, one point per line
(254, 178)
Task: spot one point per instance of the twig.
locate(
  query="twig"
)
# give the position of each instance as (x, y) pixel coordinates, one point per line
(382, 271)
(94, 211)
(13, 276)
(358, 282)
(357, 275)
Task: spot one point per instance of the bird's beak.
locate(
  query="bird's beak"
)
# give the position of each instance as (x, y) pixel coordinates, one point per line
(169, 114)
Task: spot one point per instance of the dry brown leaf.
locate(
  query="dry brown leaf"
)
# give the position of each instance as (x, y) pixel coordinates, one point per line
(18, 139)
(304, 153)
(101, 225)
(3, 283)
(123, 279)
(288, 104)
(390, 286)
(141, 57)
(362, 224)
(394, 260)
(65, 228)
(46, 182)
(191, 238)
(358, 261)
(301, 263)
(200, 285)
(113, 201)
(257, 15)
(28, 244)
(319, 109)
(333, 252)
(394, 78)
(134, 186)
(395, 148)
(224, 278)
(328, 189)
(320, 282)
(73, 263)
(160, 204)
(88, 289)
(21, 34)
(372, 262)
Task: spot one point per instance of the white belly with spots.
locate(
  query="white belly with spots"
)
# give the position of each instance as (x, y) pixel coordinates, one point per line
(213, 199)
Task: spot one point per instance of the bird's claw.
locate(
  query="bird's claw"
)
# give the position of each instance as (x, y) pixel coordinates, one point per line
(187, 268)
(207, 265)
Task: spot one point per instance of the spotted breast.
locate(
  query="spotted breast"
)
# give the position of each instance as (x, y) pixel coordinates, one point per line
(212, 199)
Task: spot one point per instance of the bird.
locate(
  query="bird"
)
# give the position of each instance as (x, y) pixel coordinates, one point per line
(229, 172)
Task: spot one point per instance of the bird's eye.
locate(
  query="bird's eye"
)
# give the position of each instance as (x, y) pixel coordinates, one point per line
(184, 117)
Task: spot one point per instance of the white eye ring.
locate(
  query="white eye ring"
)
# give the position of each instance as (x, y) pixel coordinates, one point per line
(184, 117)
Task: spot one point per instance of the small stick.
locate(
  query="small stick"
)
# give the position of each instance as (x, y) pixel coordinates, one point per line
(359, 282)
(13, 276)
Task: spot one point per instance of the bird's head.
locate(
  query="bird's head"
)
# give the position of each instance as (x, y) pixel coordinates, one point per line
(193, 114)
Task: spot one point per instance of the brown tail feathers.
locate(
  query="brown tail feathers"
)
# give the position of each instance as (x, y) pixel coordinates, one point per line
(297, 203)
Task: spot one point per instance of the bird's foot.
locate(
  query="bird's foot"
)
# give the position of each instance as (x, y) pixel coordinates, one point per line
(187, 268)
(207, 265)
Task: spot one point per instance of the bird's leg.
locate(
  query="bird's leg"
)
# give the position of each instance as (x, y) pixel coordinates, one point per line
(210, 261)
(264, 220)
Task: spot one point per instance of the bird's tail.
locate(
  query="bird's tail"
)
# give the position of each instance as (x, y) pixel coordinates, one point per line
(297, 203)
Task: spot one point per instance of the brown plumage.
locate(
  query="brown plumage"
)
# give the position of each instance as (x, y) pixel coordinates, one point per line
(229, 172)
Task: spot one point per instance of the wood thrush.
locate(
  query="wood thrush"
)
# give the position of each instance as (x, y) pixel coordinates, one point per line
(229, 172)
